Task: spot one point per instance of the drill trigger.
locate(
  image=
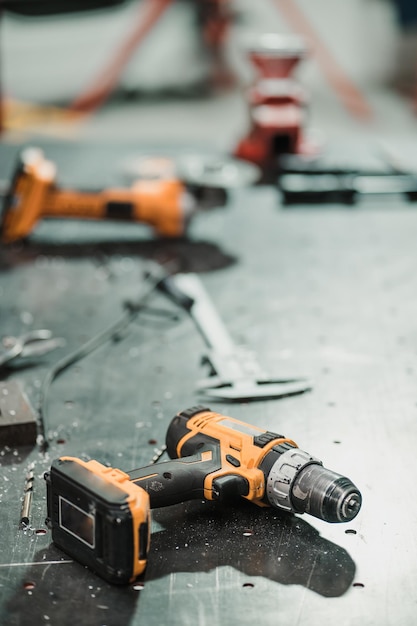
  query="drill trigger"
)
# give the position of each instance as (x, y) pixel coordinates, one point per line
(230, 487)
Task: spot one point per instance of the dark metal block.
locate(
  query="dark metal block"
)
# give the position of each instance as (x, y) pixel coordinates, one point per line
(18, 425)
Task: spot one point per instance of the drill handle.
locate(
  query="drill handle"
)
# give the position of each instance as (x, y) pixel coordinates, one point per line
(178, 480)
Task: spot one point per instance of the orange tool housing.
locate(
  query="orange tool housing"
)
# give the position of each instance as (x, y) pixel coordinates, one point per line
(236, 441)
(33, 195)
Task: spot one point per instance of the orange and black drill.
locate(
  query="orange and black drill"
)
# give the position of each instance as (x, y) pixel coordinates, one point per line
(165, 203)
(214, 457)
(219, 457)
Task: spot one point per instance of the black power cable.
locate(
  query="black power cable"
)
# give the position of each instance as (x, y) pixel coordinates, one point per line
(132, 310)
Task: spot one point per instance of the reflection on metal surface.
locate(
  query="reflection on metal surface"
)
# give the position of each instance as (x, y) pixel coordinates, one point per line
(281, 548)
(92, 599)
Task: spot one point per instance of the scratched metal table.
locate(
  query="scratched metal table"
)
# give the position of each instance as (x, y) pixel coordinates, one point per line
(329, 293)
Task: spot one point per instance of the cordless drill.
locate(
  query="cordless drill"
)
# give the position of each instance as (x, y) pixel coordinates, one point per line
(100, 515)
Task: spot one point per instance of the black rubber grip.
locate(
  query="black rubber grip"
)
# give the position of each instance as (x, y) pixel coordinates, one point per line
(176, 481)
(119, 210)
(178, 428)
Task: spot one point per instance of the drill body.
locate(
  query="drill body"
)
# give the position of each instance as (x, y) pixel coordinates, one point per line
(216, 457)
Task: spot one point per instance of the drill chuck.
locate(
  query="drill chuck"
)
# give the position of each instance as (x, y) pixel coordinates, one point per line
(298, 482)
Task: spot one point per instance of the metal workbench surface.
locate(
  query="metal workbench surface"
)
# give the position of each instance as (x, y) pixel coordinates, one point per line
(324, 292)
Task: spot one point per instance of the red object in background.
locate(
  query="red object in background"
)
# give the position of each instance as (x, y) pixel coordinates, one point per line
(277, 103)
(276, 56)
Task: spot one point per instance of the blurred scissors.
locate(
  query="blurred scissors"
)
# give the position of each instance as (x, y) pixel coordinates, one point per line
(32, 343)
